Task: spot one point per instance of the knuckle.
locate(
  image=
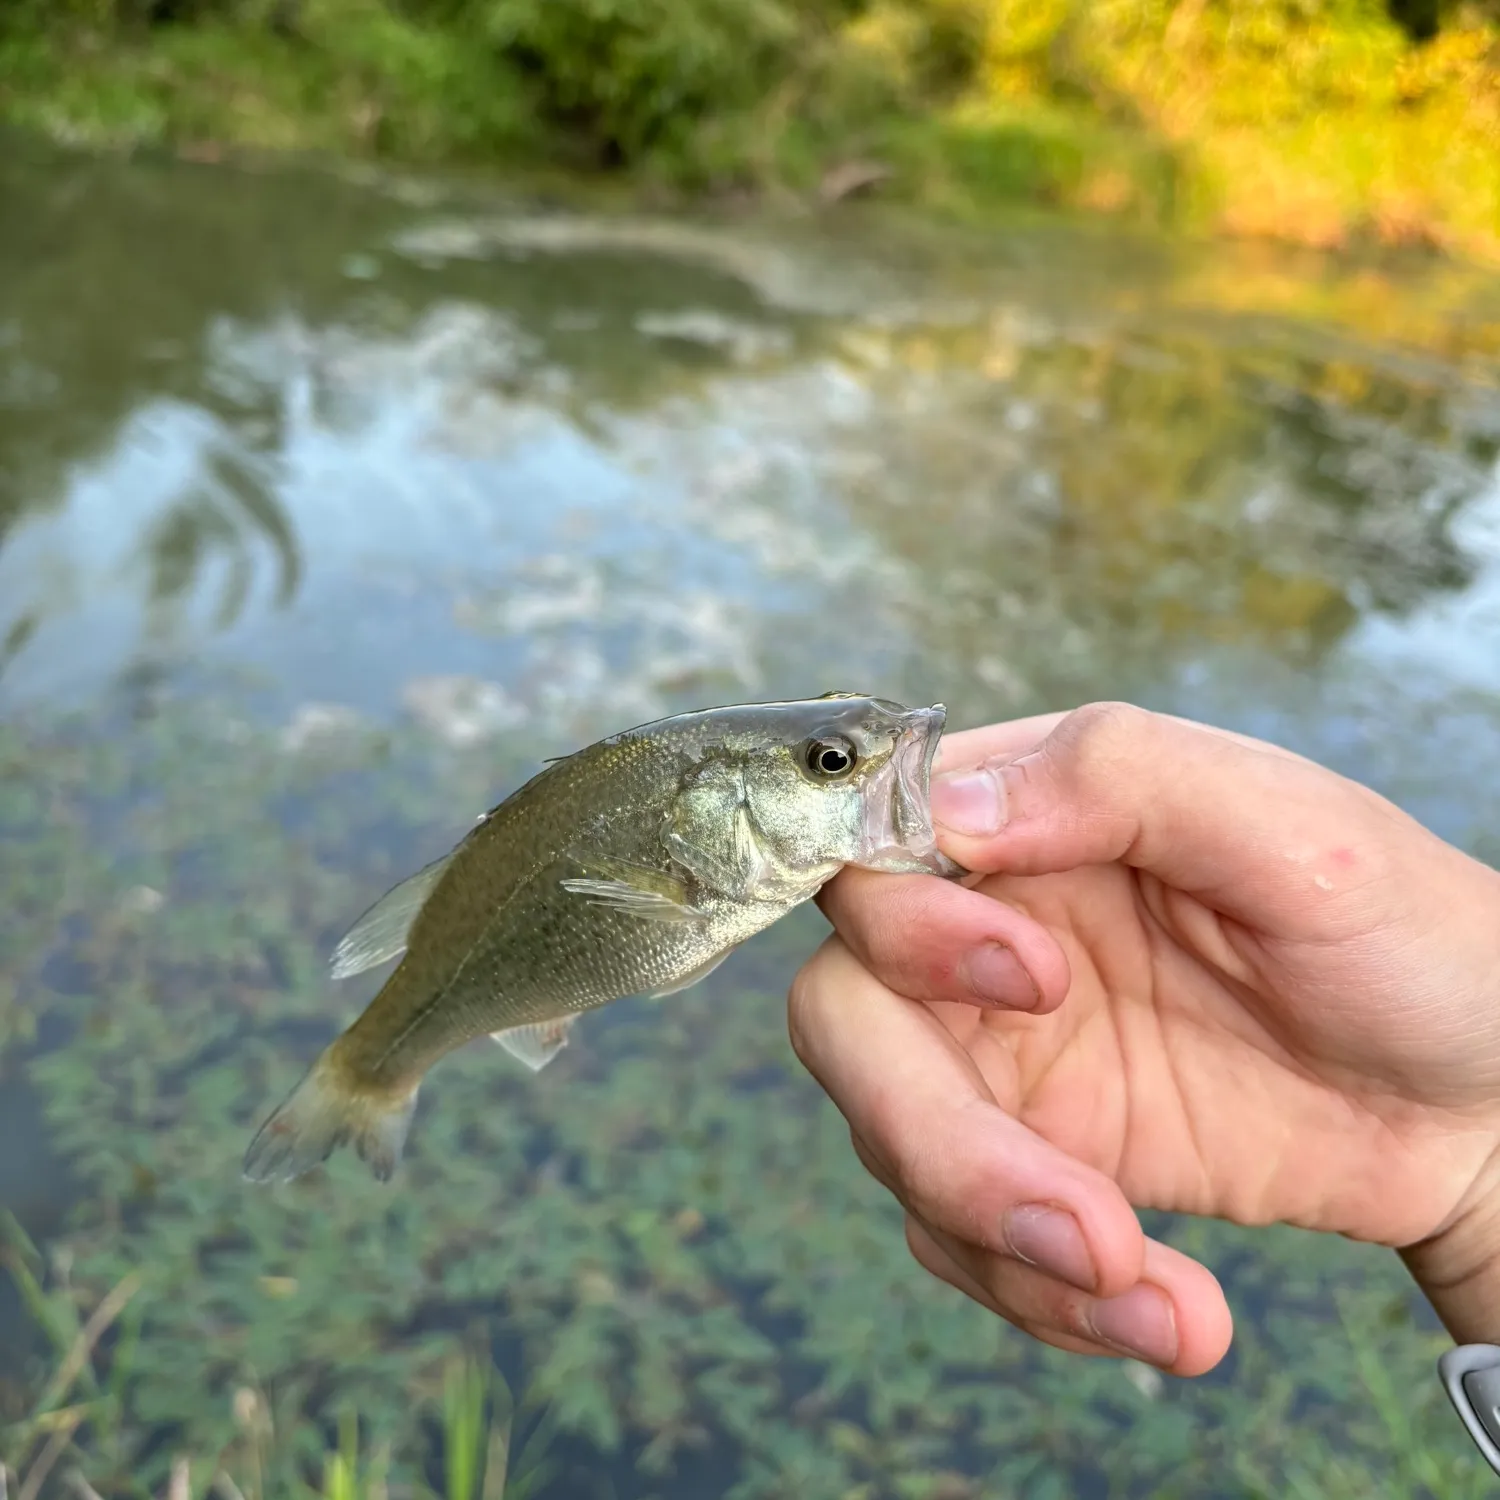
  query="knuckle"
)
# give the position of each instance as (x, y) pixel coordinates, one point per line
(1105, 731)
(1101, 746)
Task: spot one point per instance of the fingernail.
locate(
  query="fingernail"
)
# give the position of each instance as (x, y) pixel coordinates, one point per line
(970, 802)
(1141, 1323)
(1050, 1240)
(997, 977)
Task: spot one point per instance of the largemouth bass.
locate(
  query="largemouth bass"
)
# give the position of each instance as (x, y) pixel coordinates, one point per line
(633, 867)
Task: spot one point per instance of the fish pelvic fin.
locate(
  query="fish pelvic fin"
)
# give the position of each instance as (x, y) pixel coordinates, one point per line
(537, 1044)
(325, 1111)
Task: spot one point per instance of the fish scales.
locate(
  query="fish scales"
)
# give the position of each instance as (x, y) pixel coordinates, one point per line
(526, 948)
(632, 867)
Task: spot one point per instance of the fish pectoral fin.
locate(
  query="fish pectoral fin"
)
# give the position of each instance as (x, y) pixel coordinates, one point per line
(690, 979)
(656, 895)
(382, 932)
(650, 905)
(538, 1043)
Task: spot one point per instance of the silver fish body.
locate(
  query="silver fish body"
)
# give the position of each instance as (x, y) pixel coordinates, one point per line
(633, 867)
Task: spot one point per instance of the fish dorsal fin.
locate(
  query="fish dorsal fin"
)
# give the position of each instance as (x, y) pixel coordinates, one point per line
(537, 1044)
(382, 932)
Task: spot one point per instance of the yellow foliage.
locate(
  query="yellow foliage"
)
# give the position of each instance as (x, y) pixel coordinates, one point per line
(1317, 123)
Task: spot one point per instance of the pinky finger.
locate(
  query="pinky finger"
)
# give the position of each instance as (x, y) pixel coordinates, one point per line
(933, 1258)
(1178, 1304)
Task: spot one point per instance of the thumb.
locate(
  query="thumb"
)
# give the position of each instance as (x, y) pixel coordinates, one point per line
(1252, 830)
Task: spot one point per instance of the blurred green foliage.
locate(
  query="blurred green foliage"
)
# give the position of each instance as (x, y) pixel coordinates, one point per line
(1320, 121)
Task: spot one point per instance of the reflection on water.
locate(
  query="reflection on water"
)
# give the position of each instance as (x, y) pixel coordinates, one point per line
(504, 481)
(536, 455)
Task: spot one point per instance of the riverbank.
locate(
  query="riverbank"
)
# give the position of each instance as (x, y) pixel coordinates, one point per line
(1326, 123)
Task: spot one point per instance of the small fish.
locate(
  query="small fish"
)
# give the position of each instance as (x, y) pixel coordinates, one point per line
(633, 867)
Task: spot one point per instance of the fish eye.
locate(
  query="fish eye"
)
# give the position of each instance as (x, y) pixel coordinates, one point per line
(829, 759)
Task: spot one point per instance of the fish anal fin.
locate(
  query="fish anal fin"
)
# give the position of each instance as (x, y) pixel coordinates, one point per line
(538, 1043)
(382, 932)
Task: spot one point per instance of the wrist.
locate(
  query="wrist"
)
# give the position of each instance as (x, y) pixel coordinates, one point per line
(1458, 1269)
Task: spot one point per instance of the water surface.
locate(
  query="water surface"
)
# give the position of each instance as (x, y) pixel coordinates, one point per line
(330, 506)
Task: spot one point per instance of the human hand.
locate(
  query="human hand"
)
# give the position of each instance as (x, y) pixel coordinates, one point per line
(1194, 972)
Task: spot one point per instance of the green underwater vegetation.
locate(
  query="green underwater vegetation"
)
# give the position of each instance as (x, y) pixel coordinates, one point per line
(664, 1241)
(478, 1414)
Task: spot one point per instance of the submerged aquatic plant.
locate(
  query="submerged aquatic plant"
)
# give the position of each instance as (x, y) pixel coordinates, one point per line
(668, 1225)
(72, 1431)
(479, 1424)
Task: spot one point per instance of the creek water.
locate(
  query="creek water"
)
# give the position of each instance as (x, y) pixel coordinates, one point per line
(327, 450)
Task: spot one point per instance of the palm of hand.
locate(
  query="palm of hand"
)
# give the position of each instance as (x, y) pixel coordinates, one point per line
(1211, 977)
(1211, 1069)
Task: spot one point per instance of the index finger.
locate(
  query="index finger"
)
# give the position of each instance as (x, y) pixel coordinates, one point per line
(987, 744)
(964, 748)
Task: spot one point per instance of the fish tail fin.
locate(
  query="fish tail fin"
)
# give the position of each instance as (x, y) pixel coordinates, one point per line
(325, 1111)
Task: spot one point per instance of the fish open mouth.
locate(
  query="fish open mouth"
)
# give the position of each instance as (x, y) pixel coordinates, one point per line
(898, 832)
